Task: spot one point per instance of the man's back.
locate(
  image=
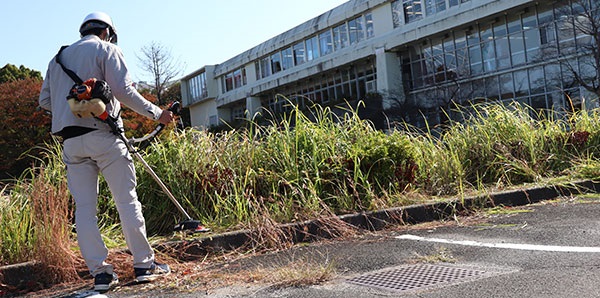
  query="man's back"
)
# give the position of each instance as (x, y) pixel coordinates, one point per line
(90, 57)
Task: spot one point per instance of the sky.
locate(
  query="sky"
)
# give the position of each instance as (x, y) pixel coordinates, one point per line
(196, 32)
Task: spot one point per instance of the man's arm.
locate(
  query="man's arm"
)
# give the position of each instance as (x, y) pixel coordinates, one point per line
(122, 88)
(44, 99)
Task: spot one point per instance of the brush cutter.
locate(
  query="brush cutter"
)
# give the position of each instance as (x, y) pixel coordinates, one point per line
(89, 98)
(189, 225)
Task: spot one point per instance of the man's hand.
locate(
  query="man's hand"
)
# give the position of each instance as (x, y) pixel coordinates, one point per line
(166, 117)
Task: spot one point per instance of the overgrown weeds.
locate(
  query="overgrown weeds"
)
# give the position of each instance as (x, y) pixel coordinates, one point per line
(36, 228)
(51, 215)
(307, 165)
(16, 235)
(291, 169)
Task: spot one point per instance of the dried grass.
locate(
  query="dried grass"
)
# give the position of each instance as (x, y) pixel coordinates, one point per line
(266, 234)
(52, 229)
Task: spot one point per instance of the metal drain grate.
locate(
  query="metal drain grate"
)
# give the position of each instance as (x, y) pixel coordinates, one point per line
(415, 276)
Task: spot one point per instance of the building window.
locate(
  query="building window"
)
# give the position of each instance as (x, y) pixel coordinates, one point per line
(276, 62)
(397, 13)
(516, 41)
(488, 49)
(287, 61)
(197, 87)
(501, 43)
(276, 104)
(407, 11)
(257, 69)
(228, 82)
(457, 2)
(531, 35)
(461, 54)
(369, 25)
(340, 36)
(234, 79)
(238, 113)
(360, 29)
(439, 65)
(475, 57)
(265, 67)
(450, 63)
(412, 10)
(330, 88)
(483, 57)
(193, 89)
(328, 41)
(356, 28)
(299, 53)
(548, 34)
(325, 43)
(237, 78)
(312, 48)
(434, 6)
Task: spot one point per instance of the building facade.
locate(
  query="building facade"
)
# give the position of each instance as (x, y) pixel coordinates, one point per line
(408, 60)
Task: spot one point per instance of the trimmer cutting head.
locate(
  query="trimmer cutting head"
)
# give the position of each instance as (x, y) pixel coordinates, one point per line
(191, 225)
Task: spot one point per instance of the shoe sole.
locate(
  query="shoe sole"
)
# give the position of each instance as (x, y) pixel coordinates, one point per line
(147, 278)
(150, 278)
(104, 288)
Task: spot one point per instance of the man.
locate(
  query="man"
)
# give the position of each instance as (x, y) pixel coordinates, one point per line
(90, 148)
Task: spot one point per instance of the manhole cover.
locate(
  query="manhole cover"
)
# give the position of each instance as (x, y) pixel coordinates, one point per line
(415, 276)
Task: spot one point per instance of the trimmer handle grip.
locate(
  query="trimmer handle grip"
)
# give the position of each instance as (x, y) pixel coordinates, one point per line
(144, 141)
(175, 108)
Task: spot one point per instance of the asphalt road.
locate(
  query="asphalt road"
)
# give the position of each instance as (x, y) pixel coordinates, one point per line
(550, 249)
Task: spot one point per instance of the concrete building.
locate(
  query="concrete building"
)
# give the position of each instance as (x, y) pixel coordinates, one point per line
(407, 60)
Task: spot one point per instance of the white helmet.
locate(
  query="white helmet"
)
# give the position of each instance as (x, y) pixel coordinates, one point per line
(99, 20)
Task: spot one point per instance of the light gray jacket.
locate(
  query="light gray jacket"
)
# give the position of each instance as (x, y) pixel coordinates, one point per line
(91, 57)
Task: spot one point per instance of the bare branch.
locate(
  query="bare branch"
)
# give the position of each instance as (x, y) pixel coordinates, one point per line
(584, 17)
(158, 61)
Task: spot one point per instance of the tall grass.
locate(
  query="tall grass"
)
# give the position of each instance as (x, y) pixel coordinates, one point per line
(51, 215)
(292, 167)
(35, 221)
(16, 243)
(315, 164)
(499, 145)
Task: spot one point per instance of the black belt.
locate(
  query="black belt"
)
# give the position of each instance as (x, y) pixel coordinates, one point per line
(73, 131)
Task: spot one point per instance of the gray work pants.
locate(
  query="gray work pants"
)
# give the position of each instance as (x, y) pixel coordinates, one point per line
(85, 157)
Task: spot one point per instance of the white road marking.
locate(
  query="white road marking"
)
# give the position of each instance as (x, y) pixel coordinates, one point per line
(553, 248)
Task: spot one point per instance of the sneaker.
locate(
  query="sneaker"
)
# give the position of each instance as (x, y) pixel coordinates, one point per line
(105, 281)
(155, 271)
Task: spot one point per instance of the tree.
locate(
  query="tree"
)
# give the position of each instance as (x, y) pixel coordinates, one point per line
(173, 93)
(157, 60)
(11, 73)
(22, 125)
(135, 124)
(578, 33)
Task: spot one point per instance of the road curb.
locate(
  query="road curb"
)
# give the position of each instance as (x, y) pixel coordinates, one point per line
(18, 276)
(15, 276)
(376, 220)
